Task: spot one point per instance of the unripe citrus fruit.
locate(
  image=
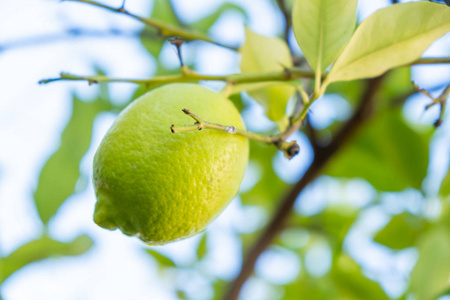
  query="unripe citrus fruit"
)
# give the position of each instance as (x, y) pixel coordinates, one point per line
(162, 186)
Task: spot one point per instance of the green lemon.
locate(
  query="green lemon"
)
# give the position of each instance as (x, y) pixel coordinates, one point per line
(161, 186)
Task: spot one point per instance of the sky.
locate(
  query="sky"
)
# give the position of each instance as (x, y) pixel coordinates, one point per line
(33, 116)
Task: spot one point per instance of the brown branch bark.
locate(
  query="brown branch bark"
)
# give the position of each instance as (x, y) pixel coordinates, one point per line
(287, 18)
(321, 157)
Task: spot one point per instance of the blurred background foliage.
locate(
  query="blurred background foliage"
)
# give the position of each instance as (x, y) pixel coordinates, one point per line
(324, 252)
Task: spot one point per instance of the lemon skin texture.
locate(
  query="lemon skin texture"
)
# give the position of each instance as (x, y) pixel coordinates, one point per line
(161, 186)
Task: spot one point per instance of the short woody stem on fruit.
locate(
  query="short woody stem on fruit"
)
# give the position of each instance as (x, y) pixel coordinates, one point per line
(290, 149)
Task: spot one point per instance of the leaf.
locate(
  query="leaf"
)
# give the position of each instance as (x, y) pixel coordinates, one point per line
(41, 249)
(401, 232)
(161, 11)
(386, 152)
(205, 23)
(237, 101)
(445, 186)
(322, 28)
(352, 284)
(336, 221)
(431, 274)
(310, 288)
(61, 172)
(393, 36)
(163, 261)
(349, 90)
(270, 187)
(262, 54)
(202, 248)
(249, 87)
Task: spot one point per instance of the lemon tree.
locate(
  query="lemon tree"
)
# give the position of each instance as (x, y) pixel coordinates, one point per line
(175, 157)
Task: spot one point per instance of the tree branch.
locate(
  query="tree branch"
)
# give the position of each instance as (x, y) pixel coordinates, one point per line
(285, 75)
(321, 157)
(287, 19)
(194, 77)
(163, 28)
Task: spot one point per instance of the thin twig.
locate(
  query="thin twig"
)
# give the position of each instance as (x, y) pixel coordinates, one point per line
(164, 29)
(194, 77)
(321, 157)
(290, 149)
(285, 75)
(431, 61)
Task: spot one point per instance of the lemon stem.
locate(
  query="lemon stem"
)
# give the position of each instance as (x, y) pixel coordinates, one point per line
(290, 149)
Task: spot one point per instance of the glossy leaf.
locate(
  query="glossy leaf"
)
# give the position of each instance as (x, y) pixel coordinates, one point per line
(202, 248)
(310, 288)
(393, 36)
(322, 28)
(251, 87)
(386, 152)
(61, 172)
(161, 11)
(401, 232)
(41, 249)
(335, 221)
(163, 261)
(264, 54)
(270, 187)
(205, 23)
(445, 186)
(352, 284)
(349, 90)
(429, 279)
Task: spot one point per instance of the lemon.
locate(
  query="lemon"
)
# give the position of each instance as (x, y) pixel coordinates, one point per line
(161, 186)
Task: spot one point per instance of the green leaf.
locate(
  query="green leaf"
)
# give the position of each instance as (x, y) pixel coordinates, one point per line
(262, 54)
(386, 152)
(61, 172)
(182, 295)
(445, 186)
(349, 90)
(352, 284)
(251, 87)
(270, 187)
(161, 11)
(219, 288)
(205, 23)
(202, 248)
(401, 232)
(322, 28)
(336, 221)
(430, 277)
(41, 249)
(237, 101)
(310, 288)
(393, 36)
(163, 261)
